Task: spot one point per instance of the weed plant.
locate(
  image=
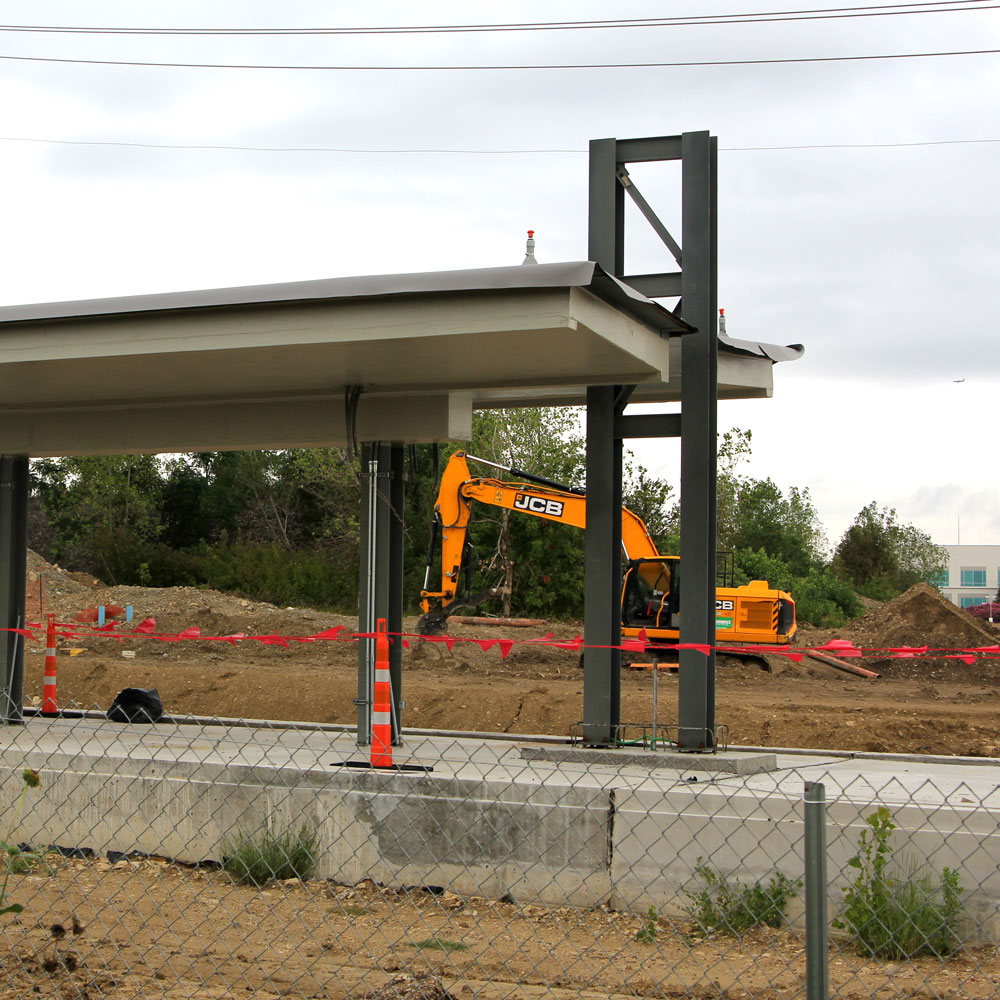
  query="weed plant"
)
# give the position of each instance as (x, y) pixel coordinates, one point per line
(16, 861)
(261, 858)
(442, 944)
(646, 934)
(902, 914)
(729, 907)
(20, 860)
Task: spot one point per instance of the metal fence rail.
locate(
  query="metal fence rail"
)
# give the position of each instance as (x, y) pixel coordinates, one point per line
(186, 859)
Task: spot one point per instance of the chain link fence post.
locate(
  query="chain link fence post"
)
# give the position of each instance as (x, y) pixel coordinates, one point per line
(817, 954)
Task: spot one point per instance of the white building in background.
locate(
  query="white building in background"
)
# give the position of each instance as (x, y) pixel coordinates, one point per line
(973, 574)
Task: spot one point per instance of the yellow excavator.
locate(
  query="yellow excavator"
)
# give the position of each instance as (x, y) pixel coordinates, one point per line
(750, 614)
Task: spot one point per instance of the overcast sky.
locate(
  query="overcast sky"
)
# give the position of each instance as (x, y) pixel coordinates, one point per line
(882, 259)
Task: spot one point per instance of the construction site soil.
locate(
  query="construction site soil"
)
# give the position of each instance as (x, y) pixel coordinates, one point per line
(151, 927)
(919, 704)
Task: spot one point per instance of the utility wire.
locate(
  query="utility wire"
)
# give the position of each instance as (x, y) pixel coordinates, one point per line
(463, 152)
(278, 149)
(857, 145)
(512, 66)
(932, 7)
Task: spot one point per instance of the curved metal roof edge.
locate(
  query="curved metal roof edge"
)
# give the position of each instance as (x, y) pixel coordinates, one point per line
(773, 352)
(583, 274)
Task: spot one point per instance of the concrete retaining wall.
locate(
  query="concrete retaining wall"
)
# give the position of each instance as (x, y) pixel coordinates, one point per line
(548, 841)
(536, 831)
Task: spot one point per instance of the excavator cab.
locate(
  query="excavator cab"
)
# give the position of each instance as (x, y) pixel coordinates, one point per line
(650, 595)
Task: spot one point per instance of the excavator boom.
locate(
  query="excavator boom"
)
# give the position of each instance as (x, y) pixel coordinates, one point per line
(753, 613)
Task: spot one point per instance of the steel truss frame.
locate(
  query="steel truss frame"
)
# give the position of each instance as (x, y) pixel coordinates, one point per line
(696, 282)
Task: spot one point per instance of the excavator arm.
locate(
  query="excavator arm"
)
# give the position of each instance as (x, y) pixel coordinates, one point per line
(536, 496)
(752, 613)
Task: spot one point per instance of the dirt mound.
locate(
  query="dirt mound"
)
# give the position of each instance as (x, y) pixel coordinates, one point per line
(54, 580)
(919, 617)
(922, 617)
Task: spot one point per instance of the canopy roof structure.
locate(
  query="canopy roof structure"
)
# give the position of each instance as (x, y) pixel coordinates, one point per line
(273, 366)
(391, 360)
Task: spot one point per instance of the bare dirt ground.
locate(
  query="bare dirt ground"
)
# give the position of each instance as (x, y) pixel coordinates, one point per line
(919, 705)
(149, 927)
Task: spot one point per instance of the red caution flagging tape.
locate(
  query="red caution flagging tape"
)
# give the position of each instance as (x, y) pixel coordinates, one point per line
(841, 648)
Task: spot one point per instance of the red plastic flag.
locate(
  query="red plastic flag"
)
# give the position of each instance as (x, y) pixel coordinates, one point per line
(842, 647)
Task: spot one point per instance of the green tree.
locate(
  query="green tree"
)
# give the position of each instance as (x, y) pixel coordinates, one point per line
(733, 450)
(328, 481)
(775, 536)
(884, 557)
(757, 514)
(91, 501)
(786, 525)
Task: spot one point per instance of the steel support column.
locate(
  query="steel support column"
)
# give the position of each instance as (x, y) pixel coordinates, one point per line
(602, 565)
(602, 570)
(606, 217)
(699, 394)
(380, 574)
(695, 283)
(13, 557)
(394, 616)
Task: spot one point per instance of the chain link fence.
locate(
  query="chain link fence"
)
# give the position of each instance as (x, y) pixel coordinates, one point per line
(205, 858)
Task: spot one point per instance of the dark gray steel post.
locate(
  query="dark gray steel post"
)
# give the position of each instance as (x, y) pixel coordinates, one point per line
(366, 593)
(817, 932)
(394, 616)
(381, 574)
(13, 559)
(383, 539)
(699, 393)
(602, 611)
(606, 217)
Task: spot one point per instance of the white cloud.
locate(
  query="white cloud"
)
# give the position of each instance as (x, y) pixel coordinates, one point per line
(881, 261)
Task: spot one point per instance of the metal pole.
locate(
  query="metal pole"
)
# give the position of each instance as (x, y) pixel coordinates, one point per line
(817, 955)
(656, 695)
(397, 501)
(366, 593)
(13, 560)
(606, 217)
(699, 389)
(602, 563)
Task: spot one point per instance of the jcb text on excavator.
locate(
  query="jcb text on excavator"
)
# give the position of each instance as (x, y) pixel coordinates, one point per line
(750, 614)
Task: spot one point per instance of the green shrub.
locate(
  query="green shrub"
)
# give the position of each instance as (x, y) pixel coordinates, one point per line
(257, 860)
(903, 915)
(733, 908)
(303, 578)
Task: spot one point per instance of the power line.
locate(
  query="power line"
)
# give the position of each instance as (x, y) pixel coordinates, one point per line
(279, 149)
(857, 145)
(499, 67)
(463, 152)
(931, 7)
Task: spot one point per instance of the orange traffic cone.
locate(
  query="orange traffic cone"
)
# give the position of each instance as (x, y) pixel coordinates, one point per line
(50, 704)
(381, 755)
